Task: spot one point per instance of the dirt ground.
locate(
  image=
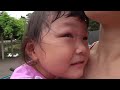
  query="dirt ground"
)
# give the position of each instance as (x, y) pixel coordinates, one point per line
(6, 64)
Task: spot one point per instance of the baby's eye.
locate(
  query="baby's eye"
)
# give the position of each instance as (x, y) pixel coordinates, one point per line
(67, 35)
(85, 38)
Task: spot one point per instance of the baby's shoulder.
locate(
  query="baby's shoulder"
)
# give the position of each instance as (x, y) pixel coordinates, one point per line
(24, 72)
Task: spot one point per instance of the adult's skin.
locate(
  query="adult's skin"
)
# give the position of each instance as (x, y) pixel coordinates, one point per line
(104, 62)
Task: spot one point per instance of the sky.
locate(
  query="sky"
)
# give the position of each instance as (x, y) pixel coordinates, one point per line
(18, 14)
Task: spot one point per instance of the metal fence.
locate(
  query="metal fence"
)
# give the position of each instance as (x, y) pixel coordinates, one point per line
(93, 36)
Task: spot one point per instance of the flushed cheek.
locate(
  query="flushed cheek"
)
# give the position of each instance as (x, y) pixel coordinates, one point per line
(60, 56)
(58, 61)
(87, 52)
(74, 72)
(59, 52)
(57, 65)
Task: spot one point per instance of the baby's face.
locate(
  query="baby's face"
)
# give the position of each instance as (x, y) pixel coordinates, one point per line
(104, 17)
(64, 48)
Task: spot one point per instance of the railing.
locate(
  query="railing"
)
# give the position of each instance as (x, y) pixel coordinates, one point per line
(6, 77)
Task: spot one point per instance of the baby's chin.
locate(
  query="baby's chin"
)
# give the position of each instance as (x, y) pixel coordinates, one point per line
(77, 75)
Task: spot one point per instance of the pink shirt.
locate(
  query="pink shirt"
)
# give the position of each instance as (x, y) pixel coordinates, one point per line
(26, 72)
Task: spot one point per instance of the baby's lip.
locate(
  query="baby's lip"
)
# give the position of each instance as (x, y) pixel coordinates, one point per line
(82, 61)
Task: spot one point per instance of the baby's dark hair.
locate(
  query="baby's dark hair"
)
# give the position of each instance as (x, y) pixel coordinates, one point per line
(38, 19)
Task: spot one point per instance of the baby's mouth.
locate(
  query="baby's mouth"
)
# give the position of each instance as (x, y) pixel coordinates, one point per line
(79, 62)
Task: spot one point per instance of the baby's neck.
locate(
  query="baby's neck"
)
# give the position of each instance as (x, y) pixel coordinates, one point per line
(44, 73)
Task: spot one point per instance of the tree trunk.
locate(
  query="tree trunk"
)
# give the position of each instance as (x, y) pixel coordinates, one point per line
(11, 46)
(2, 47)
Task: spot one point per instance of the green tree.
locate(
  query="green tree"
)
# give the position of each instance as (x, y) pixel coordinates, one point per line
(4, 17)
(12, 28)
(21, 23)
(93, 25)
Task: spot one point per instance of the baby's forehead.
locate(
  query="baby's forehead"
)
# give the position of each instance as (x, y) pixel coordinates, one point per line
(69, 25)
(69, 22)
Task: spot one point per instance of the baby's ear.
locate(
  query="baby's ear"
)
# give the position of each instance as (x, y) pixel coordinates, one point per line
(30, 47)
